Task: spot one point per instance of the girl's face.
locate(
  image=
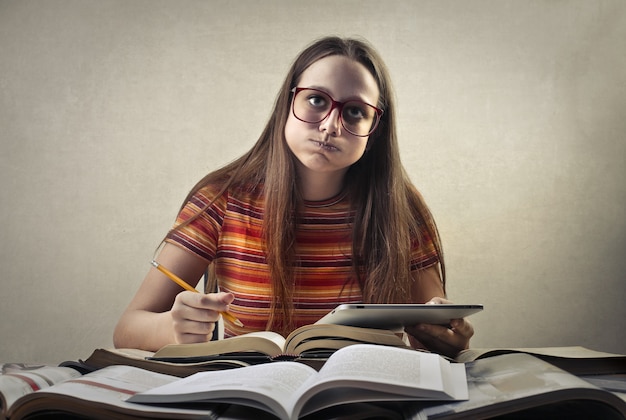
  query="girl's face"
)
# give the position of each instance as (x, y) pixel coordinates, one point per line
(327, 147)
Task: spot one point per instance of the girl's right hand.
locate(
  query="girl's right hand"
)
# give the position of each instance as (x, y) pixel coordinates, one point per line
(194, 315)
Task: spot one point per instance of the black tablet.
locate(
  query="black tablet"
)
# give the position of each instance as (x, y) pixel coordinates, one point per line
(396, 316)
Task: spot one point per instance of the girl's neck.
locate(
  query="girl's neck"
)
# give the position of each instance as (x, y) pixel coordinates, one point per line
(320, 186)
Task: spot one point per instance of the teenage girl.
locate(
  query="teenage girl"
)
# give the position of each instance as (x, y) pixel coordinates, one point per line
(319, 212)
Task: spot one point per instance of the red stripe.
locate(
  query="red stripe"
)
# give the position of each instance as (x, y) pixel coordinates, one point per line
(104, 386)
(26, 379)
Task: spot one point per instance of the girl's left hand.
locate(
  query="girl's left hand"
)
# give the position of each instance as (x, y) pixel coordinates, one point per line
(446, 340)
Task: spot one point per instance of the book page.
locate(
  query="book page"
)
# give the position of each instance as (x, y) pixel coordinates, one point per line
(131, 353)
(268, 386)
(325, 331)
(266, 342)
(387, 365)
(17, 380)
(276, 338)
(371, 372)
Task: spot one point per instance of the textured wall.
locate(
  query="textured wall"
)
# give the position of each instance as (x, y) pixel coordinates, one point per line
(512, 123)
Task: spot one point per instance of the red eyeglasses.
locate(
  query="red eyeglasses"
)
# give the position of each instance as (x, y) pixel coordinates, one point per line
(313, 106)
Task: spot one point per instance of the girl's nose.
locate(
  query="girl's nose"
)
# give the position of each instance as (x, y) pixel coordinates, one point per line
(332, 123)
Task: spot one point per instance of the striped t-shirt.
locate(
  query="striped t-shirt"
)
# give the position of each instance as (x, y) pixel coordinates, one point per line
(229, 234)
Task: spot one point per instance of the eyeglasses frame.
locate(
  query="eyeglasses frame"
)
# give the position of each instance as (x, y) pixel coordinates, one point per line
(334, 104)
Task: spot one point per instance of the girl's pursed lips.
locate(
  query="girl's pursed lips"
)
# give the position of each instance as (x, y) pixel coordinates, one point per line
(325, 145)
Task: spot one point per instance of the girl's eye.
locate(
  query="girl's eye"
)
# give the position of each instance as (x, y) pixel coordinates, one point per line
(317, 101)
(354, 112)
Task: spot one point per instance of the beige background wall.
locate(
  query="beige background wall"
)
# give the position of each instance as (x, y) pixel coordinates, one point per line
(512, 122)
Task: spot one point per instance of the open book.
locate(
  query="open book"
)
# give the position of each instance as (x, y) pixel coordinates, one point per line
(313, 341)
(525, 387)
(310, 344)
(104, 357)
(574, 359)
(17, 380)
(358, 373)
(63, 392)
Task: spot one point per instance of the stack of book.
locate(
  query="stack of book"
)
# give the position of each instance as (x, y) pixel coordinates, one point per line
(320, 371)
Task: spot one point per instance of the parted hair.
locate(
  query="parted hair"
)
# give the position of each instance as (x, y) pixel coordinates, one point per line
(389, 212)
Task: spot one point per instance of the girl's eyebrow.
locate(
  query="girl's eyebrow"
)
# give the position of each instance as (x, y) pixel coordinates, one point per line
(319, 88)
(325, 90)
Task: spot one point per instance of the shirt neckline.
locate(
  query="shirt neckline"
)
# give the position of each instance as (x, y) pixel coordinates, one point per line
(328, 202)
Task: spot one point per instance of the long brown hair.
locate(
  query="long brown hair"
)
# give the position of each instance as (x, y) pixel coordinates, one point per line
(389, 212)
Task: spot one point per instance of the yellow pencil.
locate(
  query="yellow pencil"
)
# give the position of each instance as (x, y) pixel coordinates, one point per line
(187, 286)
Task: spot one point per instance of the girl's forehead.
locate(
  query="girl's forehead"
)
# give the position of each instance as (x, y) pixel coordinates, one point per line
(342, 77)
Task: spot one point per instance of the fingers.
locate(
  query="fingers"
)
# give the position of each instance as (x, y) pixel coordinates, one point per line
(463, 327)
(436, 338)
(439, 301)
(194, 315)
(448, 340)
